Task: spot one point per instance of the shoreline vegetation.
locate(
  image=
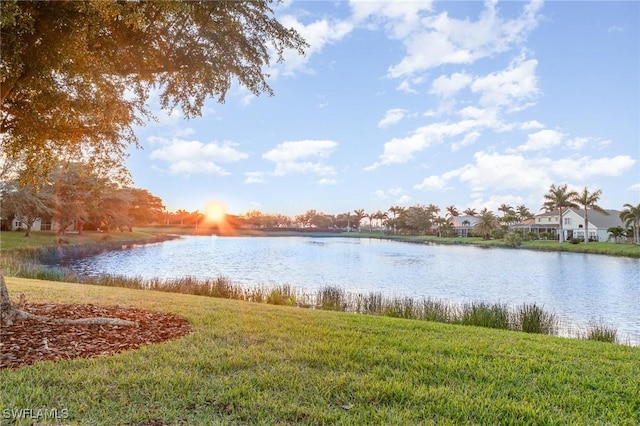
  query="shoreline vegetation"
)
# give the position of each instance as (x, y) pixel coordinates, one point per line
(29, 261)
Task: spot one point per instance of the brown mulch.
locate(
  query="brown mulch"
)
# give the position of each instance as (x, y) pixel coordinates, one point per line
(29, 341)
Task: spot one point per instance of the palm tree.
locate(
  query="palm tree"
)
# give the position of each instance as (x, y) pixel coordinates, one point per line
(452, 211)
(523, 213)
(470, 212)
(381, 216)
(506, 210)
(395, 211)
(440, 222)
(560, 198)
(589, 200)
(617, 232)
(348, 216)
(631, 217)
(370, 216)
(360, 214)
(486, 224)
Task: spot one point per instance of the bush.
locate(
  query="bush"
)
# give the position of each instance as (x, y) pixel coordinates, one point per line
(575, 240)
(282, 295)
(513, 239)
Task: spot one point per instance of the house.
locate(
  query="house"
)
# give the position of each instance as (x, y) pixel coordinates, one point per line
(14, 224)
(545, 223)
(573, 224)
(599, 223)
(463, 225)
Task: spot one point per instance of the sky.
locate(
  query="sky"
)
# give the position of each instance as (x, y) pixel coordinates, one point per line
(398, 103)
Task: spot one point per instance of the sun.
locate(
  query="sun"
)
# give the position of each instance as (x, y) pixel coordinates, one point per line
(215, 212)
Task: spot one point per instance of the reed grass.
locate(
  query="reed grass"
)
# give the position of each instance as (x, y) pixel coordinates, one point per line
(601, 332)
(483, 314)
(531, 318)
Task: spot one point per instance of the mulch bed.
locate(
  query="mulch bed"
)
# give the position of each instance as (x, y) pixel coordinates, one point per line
(30, 341)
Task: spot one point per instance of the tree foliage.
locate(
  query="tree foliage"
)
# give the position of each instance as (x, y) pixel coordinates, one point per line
(75, 75)
(631, 218)
(560, 198)
(589, 200)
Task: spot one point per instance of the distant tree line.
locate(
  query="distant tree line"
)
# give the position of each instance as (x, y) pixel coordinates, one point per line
(75, 196)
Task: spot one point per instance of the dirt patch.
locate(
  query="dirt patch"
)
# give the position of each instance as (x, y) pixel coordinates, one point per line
(30, 341)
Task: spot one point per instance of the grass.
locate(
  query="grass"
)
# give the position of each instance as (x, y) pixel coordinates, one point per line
(11, 240)
(248, 363)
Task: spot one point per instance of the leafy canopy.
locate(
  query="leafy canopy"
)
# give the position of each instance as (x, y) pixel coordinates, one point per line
(75, 75)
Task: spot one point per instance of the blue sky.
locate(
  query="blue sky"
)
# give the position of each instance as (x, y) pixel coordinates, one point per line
(472, 104)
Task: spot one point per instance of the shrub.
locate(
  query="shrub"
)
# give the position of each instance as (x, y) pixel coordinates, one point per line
(513, 239)
(282, 295)
(575, 240)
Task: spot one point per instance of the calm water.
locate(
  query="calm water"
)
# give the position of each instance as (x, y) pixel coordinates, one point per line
(580, 287)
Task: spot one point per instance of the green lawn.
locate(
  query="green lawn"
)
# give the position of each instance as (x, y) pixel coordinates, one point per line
(251, 363)
(10, 240)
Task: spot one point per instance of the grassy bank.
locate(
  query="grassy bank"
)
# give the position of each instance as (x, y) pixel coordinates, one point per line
(607, 248)
(261, 364)
(13, 240)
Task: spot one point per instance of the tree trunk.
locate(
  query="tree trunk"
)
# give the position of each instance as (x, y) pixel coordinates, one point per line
(561, 236)
(10, 313)
(586, 227)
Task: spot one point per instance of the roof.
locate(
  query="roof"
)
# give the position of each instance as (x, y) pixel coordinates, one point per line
(457, 221)
(601, 221)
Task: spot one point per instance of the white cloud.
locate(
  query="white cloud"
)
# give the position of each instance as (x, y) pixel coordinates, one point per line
(288, 157)
(393, 192)
(468, 139)
(405, 86)
(505, 171)
(531, 125)
(194, 156)
(544, 139)
(579, 143)
(615, 29)
(432, 183)
(392, 116)
(401, 150)
(399, 17)
(327, 181)
(509, 88)
(635, 187)
(495, 201)
(254, 177)
(443, 40)
(445, 87)
(404, 200)
(294, 150)
(583, 168)
(317, 34)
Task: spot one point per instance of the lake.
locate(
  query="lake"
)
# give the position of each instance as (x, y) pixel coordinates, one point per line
(579, 287)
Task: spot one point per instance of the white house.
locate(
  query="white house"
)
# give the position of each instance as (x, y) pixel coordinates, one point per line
(573, 223)
(15, 225)
(598, 223)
